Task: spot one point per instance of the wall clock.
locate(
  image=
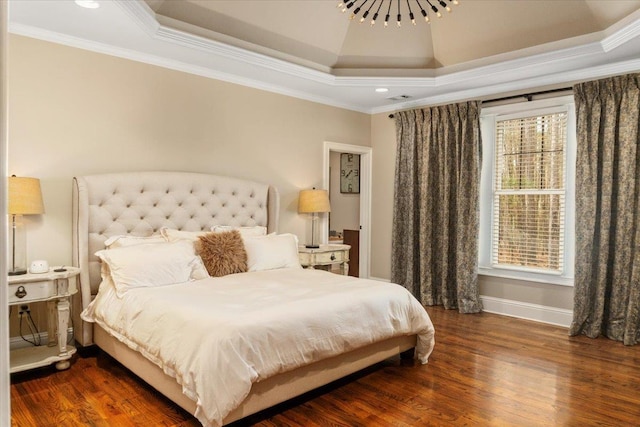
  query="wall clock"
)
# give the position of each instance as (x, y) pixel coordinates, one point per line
(349, 173)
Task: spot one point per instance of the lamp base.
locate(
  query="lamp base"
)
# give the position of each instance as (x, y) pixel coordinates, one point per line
(312, 246)
(17, 272)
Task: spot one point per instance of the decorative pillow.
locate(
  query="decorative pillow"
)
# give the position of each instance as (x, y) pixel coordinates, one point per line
(272, 251)
(244, 231)
(222, 253)
(152, 264)
(125, 240)
(172, 235)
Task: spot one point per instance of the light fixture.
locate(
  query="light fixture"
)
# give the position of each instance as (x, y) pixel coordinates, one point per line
(88, 4)
(382, 90)
(25, 198)
(373, 7)
(313, 202)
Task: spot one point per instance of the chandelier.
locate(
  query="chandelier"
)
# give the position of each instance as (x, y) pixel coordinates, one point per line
(376, 5)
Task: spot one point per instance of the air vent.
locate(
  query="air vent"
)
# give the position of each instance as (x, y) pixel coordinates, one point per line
(399, 97)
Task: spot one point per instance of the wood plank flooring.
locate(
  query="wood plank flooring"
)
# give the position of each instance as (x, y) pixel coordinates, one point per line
(486, 370)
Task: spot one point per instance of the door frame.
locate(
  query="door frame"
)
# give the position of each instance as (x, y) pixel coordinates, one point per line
(366, 164)
(5, 395)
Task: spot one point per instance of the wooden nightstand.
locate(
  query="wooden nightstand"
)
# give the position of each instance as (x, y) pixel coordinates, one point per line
(55, 288)
(325, 255)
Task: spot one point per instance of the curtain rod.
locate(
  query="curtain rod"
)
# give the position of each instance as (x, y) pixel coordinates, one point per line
(527, 96)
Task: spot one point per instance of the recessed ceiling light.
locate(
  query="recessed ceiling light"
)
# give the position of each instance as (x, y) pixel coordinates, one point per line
(89, 4)
(382, 90)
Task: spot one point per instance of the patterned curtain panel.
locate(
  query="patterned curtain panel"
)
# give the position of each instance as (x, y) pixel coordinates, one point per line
(607, 271)
(436, 205)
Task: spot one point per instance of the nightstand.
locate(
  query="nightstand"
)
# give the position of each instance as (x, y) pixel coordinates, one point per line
(55, 288)
(325, 255)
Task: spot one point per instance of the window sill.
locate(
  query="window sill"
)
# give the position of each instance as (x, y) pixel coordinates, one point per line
(550, 279)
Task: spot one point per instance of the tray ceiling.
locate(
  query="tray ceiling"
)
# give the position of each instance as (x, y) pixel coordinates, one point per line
(316, 32)
(308, 49)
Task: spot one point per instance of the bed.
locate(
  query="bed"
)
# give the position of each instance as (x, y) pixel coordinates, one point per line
(144, 204)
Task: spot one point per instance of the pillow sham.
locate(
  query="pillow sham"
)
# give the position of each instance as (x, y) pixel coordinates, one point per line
(125, 240)
(222, 253)
(152, 264)
(272, 251)
(172, 235)
(244, 231)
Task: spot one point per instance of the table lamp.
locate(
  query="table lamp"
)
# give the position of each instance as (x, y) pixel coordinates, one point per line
(25, 198)
(313, 202)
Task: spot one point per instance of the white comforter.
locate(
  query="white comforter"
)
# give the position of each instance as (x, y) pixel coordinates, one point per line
(217, 336)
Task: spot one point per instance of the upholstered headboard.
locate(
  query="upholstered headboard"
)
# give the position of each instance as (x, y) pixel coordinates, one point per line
(140, 203)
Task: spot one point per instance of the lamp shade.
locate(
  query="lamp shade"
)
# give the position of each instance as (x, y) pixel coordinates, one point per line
(25, 197)
(313, 201)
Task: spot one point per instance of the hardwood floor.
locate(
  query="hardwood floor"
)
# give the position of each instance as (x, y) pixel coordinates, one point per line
(485, 370)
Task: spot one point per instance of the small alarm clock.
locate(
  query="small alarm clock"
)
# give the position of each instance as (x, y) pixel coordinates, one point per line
(39, 267)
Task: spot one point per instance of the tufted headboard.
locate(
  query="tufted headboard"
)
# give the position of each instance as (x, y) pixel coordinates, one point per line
(140, 203)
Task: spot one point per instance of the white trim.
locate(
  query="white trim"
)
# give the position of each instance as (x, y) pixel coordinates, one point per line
(511, 83)
(523, 310)
(489, 116)
(529, 276)
(5, 389)
(380, 279)
(142, 14)
(213, 47)
(591, 56)
(625, 33)
(366, 165)
(146, 19)
(172, 64)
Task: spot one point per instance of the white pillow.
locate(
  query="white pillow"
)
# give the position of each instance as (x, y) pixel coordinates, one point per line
(172, 235)
(272, 251)
(152, 264)
(244, 231)
(124, 240)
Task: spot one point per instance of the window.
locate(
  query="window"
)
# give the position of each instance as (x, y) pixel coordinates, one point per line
(527, 191)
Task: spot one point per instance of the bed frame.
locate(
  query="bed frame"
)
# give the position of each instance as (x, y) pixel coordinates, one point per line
(140, 203)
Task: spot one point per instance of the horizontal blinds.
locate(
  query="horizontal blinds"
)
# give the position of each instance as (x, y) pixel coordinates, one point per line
(529, 193)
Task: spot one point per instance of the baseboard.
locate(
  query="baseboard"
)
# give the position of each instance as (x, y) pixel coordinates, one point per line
(522, 310)
(528, 311)
(17, 342)
(379, 279)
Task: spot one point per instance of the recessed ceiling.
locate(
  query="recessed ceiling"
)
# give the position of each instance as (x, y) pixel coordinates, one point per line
(308, 49)
(315, 32)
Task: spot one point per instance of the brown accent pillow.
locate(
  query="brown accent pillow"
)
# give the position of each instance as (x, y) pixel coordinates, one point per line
(222, 253)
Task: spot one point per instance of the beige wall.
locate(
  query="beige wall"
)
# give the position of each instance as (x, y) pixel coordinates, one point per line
(383, 143)
(345, 208)
(75, 112)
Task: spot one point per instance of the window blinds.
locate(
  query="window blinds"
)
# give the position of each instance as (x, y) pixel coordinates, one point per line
(529, 192)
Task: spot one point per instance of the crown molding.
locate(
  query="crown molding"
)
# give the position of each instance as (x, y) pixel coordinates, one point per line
(622, 36)
(146, 19)
(547, 65)
(565, 77)
(242, 55)
(141, 13)
(53, 37)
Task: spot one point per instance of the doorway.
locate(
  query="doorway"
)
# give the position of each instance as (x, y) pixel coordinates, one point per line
(363, 223)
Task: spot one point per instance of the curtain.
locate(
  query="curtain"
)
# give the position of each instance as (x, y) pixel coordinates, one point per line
(607, 270)
(436, 205)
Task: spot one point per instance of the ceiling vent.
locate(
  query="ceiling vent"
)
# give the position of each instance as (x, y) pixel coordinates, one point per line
(399, 97)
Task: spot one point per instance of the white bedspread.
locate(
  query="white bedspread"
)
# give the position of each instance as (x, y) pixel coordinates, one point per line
(217, 336)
